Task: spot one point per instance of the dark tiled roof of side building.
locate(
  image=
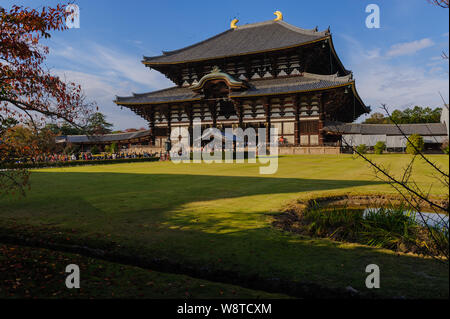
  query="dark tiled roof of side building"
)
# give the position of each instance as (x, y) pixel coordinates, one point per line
(424, 129)
(245, 39)
(102, 138)
(274, 86)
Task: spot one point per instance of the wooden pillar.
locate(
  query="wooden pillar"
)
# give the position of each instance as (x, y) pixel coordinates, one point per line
(239, 112)
(296, 102)
(254, 108)
(212, 106)
(169, 128)
(151, 118)
(168, 115)
(202, 112)
(188, 109)
(321, 118)
(266, 105)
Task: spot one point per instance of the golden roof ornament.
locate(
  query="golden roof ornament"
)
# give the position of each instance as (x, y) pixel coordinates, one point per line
(279, 16)
(233, 24)
(215, 69)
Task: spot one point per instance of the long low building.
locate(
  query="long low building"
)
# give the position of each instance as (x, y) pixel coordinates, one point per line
(344, 134)
(352, 134)
(123, 140)
(339, 135)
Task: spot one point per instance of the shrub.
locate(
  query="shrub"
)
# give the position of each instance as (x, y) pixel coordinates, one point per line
(446, 150)
(379, 147)
(415, 144)
(71, 149)
(394, 228)
(361, 148)
(107, 149)
(445, 147)
(113, 148)
(94, 150)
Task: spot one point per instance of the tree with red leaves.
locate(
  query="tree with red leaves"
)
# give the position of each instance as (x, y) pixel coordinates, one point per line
(28, 91)
(440, 3)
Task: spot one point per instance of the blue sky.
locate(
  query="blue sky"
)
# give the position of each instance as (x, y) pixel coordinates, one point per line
(398, 64)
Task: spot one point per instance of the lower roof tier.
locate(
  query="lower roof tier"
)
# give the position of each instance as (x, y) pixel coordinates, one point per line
(340, 99)
(261, 87)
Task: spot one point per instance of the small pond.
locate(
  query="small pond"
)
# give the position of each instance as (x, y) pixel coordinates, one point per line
(432, 219)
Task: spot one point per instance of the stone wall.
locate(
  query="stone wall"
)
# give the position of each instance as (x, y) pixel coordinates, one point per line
(302, 150)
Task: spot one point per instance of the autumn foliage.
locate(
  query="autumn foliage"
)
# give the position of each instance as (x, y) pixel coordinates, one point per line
(440, 3)
(29, 92)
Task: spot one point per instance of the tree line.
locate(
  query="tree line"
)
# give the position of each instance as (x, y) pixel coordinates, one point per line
(413, 115)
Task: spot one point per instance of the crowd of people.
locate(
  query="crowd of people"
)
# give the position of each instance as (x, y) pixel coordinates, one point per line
(87, 156)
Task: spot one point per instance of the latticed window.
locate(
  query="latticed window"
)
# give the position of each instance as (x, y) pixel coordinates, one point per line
(288, 128)
(309, 127)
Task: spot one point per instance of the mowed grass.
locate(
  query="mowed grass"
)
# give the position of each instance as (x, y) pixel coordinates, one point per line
(219, 216)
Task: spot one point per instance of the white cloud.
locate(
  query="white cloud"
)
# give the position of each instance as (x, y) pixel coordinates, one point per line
(379, 80)
(373, 54)
(103, 91)
(110, 62)
(436, 69)
(104, 73)
(408, 48)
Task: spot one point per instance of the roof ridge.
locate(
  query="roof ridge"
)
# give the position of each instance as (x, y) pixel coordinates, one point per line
(284, 24)
(253, 25)
(301, 30)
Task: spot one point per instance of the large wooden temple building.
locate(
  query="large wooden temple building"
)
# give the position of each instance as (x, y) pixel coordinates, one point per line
(268, 74)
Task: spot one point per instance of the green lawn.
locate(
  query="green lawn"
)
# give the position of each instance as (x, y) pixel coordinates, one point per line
(219, 216)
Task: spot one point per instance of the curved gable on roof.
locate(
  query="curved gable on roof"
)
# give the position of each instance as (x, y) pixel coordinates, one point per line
(217, 74)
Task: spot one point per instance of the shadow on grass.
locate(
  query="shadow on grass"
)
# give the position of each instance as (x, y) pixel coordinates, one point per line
(160, 221)
(188, 188)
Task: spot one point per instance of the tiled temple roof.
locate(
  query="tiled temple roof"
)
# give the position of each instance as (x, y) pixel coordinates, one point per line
(172, 94)
(246, 39)
(307, 82)
(424, 129)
